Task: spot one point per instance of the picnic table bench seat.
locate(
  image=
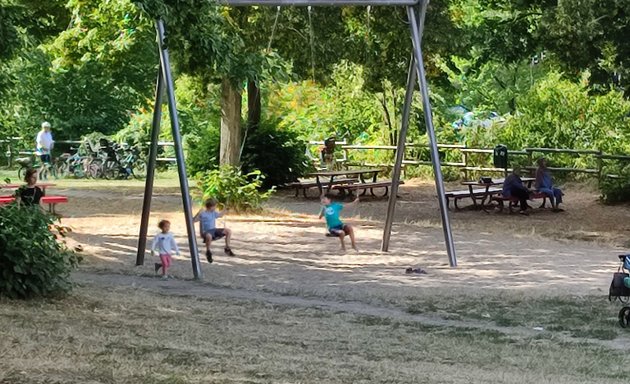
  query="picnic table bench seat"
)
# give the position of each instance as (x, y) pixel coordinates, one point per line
(386, 184)
(6, 199)
(513, 201)
(304, 186)
(51, 201)
(465, 193)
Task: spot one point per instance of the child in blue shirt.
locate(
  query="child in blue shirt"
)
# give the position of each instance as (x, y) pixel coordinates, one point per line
(208, 223)
(336, 227)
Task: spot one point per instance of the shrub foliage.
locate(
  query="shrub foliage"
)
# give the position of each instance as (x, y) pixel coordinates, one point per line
(279, 154)
(234, 189)
(33, 261)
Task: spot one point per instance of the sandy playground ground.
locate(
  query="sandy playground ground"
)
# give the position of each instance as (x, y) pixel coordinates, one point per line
(527, 303)
(284, 250)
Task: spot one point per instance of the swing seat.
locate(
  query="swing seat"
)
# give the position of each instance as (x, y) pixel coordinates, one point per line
(328, 234)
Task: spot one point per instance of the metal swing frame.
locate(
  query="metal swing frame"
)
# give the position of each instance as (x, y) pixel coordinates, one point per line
(416, 13)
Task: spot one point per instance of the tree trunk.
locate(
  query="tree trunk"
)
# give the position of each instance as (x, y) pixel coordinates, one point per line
(230, 124)
(388, 118)
(253, 105)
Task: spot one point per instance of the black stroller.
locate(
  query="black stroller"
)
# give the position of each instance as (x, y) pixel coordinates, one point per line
(619, 289)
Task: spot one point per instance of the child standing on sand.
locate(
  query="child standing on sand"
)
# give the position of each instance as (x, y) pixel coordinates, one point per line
(336, 227)
(164, 245)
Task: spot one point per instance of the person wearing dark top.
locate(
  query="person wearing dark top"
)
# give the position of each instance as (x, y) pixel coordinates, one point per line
(29, 194)
(513, 186)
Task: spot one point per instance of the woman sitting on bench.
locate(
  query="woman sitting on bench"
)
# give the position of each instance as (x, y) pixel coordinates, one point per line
(29, 194)
(513, 187)
(544, 184)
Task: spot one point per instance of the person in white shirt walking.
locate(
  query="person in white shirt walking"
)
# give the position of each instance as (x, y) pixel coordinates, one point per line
(45, 143)
(164, 245)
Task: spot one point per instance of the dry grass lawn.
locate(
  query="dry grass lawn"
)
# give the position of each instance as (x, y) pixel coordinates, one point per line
(289, 308)
(127, 335)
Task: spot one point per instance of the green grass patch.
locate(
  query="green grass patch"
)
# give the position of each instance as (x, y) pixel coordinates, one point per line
(588, 316)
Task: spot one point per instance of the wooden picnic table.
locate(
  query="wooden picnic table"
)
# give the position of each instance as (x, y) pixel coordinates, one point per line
(486, 196)
(363, 174)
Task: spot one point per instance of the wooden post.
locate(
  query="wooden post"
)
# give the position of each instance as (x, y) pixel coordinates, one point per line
(10, 146)
(465, 161)
(599, 165)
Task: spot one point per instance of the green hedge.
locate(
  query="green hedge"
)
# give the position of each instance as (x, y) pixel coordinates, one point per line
(33, 259)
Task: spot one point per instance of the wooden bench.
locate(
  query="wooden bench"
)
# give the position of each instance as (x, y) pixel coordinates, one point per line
(304, 186)
(465, 193)
(52, 201)
(513, 201)
(350, 188)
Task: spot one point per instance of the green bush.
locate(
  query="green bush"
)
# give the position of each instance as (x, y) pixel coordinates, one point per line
(138, 130)
(615, 189)
(202, 151)
(279, 154)
(558, 113)
(33, 262)
(234, 189)
(343, 107)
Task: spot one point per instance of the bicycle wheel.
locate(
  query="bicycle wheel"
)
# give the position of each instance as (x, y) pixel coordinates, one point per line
(139, 169)
(94, 169)
(21, 173)
(110, 170)
(624, 317)
(61, 170)
(76, 170)
(44, 172)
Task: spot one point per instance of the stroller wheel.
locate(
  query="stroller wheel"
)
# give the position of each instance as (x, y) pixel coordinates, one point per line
(624, 317)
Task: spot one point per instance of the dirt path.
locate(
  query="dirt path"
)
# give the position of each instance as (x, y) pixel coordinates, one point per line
(188, 288)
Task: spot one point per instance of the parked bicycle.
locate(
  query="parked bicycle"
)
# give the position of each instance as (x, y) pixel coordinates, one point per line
(44, 170)
(132, 164)
(76, 165)
(114, 161)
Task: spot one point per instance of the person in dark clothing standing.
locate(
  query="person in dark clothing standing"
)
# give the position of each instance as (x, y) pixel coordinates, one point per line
(513, 186)
(29, 194)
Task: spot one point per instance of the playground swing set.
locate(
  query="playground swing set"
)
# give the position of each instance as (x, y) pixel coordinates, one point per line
(416, 13)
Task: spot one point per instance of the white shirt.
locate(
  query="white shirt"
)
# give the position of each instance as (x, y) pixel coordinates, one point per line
(44, 141)
(164, 243)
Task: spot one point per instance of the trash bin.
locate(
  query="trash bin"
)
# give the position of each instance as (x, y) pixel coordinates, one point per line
(500, 156)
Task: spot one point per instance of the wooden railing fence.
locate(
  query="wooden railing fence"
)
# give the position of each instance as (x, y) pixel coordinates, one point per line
(467, 163)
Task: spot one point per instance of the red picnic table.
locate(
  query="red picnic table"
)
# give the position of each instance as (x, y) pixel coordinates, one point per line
(43, 186)
(52, 201)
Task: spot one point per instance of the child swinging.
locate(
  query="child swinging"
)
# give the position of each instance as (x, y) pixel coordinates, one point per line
(330, 210)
